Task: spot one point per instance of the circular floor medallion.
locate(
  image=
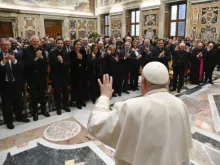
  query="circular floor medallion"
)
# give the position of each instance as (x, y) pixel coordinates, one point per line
(63, 130)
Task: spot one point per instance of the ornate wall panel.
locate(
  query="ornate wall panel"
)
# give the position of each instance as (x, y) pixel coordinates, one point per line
(204, 23)
(116, 25)
(28, 25)
(81, 27)
(150, 23)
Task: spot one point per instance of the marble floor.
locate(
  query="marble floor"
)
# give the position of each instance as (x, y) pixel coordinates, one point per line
(65, 140)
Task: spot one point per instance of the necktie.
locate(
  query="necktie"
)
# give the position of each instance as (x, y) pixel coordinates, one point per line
(9, 72)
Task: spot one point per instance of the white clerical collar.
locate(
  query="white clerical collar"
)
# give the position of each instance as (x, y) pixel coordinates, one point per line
(155, 91)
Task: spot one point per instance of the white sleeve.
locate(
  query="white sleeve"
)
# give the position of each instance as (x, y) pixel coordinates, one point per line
(106, 125)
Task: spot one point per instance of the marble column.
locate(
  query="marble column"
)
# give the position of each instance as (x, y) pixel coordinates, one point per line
(99, 24)
(188, 27)
(42, 26)
(162, 21)
(65, 28)
(123, 23)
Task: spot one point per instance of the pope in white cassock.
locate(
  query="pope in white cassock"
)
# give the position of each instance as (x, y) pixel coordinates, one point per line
(150, 130)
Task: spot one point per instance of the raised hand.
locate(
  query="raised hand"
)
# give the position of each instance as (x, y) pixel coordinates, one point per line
(106, 86)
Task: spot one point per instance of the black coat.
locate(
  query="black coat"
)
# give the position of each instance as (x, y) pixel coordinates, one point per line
(17, 70)
(32, 67)
(181, 59)
(211, 59)
(155, 56)
(58, 69)
(126, 63)
(113, 67)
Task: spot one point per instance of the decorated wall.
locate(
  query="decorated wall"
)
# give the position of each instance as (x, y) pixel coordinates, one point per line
(81, 27)
(28, 25)
(102, 3)
(204, 21)
(116, 25)
(150, 23)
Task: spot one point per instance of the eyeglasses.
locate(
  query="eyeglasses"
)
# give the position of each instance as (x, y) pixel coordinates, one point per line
(5, 44)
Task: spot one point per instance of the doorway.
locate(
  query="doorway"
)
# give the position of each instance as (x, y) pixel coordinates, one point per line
(6, 29)
(53, 28)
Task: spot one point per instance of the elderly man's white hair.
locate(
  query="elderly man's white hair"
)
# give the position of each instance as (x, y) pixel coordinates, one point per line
(66, 39)
(34, 37)
(182, 44)
(85, 38)
(127, 38)
(147, 40)
(100, 42)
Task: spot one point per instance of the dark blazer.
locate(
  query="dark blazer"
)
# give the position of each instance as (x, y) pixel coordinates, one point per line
(155, 56)
(78, 67)
(56, 68)
(32, 67)
(17, 70)
(126, 62)
(211, 58)
(180, 59)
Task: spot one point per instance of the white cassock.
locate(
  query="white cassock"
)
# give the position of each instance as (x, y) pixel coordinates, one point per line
(149, 130)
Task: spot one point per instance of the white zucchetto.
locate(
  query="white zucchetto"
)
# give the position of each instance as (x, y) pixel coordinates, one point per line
(156, 73)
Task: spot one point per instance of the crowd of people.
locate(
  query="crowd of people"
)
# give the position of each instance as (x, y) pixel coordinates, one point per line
(74, 67)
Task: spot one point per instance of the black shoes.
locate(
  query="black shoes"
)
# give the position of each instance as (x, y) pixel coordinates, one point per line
(83, 104)
(119, 94)
(10, 126)
(114, 95)
(211, 82)
(35, 117)
(126, 92)
(23, 119)
(59, 112)
(67, 109)
(79, 106)
(46, 114)
(178, 91)
(93, 100)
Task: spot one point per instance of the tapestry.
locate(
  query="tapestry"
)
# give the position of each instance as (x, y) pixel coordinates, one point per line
(208, 33)
(91, 25)
(116, 33)
(150, 33)
(72, 29)
(150, 20)
(209, 15)
(28, 21)
(29, 33)
(82, 34)
(82, 24)
(116, 23)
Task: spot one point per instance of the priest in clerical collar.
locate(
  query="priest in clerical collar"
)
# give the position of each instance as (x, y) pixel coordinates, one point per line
(153, 129)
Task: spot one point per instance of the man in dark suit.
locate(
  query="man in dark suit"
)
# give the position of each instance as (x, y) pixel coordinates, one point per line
(160, 53)
(35, 71)
(67, 45)
(60, 64)
(11, 78)
(125, 59)
(211, 61)
(180, 64)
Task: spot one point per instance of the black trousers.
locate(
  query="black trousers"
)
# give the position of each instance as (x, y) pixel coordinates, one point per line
(11, 100)
(178, 71)
(208, 73)
(37, 86)
(125, 77)
(60, 84)
(95, 92)
(79, 89)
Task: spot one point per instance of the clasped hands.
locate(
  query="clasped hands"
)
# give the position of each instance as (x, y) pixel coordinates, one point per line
(200, 54)
(161, 54)
(38, 55)
(60, 58)
(106, 86)
(8, 57)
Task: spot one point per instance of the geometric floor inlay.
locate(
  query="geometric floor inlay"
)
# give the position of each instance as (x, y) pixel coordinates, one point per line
(61, 131)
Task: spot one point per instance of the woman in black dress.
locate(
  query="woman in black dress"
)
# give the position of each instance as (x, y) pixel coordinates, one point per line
(78, 74)
(93, 72)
